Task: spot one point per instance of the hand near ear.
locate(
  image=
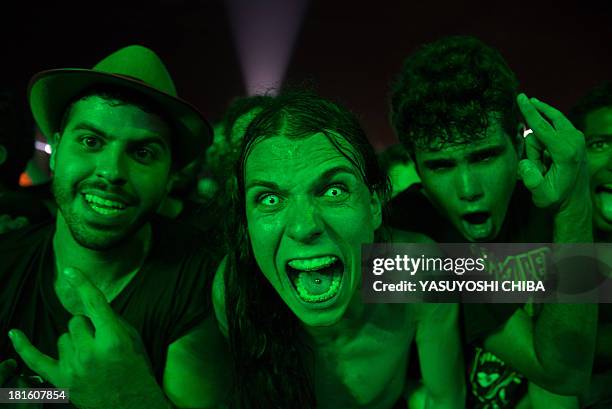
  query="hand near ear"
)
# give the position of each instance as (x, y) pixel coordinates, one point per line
(553, 134)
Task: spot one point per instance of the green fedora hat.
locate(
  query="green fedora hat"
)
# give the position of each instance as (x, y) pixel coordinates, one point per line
(136, 68)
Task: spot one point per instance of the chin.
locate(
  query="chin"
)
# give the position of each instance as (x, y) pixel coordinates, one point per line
(320, 318)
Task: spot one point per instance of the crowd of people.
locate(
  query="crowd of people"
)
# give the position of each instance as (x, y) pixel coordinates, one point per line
(176, 265)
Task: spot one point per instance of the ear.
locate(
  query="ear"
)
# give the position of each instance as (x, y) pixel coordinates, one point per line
(519, 142)
(376, 210)
(54, 142)
(3, 154)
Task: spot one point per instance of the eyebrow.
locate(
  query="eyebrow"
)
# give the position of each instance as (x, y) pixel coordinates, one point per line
(438, 162)
(328, 174)
(493, 149)
(87, 126)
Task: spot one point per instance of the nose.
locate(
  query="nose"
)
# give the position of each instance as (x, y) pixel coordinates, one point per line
(468, 184)
(111, 165)
(304, 222)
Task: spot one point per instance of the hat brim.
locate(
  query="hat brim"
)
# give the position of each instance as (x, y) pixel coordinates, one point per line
(49, 93)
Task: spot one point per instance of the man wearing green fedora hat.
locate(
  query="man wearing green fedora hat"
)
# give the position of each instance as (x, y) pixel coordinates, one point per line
(109, 300)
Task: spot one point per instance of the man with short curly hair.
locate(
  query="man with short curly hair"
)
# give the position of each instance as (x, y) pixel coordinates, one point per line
(456, 108)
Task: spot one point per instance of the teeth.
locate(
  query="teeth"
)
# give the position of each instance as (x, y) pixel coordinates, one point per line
(313, 264)
(101, 203)
(104, 210)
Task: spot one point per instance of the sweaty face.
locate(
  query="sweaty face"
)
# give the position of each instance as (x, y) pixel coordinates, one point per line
(308, 212)
(111, 170)
(472, 183)
(598, 134)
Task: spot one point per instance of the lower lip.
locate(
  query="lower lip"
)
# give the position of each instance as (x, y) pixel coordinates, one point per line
(603, 201)
(480, 231)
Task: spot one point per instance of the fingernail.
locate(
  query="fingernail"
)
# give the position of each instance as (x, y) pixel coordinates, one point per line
(522, 97)
(12, 334)
(534, 99)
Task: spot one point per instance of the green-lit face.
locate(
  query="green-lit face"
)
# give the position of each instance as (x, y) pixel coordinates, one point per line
(598, 134)
(111, 170)
(472, 183)
(308, 212)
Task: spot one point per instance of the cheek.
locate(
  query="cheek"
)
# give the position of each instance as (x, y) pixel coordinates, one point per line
(263, 235)
(150, 185)
(596, 163)
(352, 225)
(439, 188)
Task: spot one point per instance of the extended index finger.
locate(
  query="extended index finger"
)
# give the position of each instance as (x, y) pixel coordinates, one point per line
(557, 117)
(37, 361)
(94, 302)
(540, 126)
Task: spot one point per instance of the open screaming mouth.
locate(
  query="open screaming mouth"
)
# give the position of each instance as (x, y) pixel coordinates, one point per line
(316, 279)
(476, 217)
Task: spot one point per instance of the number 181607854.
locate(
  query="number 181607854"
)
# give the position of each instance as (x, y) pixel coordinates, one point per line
(33, 395)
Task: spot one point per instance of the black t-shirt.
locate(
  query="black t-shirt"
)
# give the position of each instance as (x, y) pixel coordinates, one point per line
(166, 299)
(492, 383)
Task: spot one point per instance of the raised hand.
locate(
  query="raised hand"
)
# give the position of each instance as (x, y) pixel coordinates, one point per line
(101, 358)
(566, 177)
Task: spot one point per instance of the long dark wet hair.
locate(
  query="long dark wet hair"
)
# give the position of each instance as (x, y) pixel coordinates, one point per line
(266, 338)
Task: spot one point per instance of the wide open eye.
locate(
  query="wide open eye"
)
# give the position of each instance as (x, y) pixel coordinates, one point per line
(144, 155)
(91, 142)
(335, 192)
(269, 200)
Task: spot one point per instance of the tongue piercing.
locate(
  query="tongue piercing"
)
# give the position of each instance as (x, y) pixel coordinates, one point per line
(317, 281)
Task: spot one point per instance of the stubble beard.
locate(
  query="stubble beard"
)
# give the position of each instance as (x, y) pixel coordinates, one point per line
(88, 237)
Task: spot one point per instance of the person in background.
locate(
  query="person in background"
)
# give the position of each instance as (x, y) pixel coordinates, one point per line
(18, 208)
(222, 155)
(397, 164)
(592, 114)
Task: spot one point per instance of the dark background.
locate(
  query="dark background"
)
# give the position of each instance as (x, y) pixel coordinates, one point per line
(350, 50)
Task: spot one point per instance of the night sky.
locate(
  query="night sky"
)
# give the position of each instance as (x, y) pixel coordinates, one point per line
(349, 50)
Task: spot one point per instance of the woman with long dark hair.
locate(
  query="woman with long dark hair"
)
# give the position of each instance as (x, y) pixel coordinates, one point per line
(309, 192)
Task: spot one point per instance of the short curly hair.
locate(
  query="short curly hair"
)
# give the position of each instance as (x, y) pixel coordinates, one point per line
(447, 92)
(598, 97)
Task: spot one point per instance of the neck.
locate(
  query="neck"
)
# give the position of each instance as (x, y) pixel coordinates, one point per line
(102, 267)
